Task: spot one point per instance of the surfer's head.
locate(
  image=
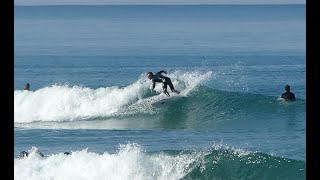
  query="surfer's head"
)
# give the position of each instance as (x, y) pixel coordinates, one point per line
(23, 154)
(287, 88)
(27, 86)
(150, 75)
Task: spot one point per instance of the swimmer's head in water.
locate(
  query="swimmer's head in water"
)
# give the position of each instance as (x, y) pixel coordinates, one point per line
(23, 154)
(287, 88)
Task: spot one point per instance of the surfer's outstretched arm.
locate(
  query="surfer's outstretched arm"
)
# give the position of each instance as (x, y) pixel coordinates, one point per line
(153, 84)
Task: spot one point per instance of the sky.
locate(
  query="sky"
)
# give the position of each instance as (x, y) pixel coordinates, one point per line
(152, 2)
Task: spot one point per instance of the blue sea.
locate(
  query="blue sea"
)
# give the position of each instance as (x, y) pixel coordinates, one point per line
(89, 94)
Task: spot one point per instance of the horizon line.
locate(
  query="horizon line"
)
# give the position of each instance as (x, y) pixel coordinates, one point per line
(262, 4)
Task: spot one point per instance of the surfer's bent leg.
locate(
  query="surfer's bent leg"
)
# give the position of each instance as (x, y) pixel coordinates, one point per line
(165, 88)
(171, 86)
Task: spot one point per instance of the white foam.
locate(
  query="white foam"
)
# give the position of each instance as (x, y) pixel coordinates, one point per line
(58, 103)
(130, 162)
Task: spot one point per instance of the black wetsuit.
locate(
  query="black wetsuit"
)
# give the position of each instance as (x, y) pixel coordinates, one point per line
(158, 77)
(288, 96)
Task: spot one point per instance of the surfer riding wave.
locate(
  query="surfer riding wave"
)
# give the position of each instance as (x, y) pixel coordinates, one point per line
(159, 78)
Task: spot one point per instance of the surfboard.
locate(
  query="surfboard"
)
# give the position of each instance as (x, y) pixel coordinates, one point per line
(167, 100)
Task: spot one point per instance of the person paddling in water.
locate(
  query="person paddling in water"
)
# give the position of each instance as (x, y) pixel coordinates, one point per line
(289, 96)
(158, 77)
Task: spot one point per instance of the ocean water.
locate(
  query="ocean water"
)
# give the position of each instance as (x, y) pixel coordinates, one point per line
(90, 96)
